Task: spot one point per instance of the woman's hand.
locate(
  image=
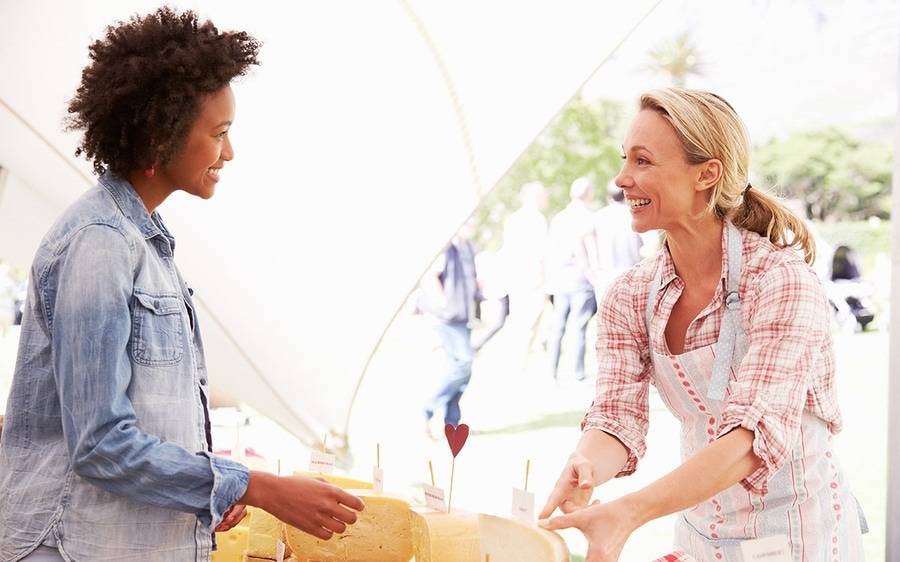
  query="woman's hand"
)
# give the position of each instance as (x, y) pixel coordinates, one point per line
(232, 517)
(606, 527)
(311, 505)
(574, 488)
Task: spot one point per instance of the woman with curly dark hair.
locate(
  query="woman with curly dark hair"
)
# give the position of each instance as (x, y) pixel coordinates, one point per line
(106, 449)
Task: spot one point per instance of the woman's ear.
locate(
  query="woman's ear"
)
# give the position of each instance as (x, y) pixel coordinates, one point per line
(710, 172)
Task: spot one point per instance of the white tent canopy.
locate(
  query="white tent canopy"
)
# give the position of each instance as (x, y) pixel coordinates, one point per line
(362, 142)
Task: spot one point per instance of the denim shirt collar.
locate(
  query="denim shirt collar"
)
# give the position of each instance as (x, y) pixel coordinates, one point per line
(133, 207)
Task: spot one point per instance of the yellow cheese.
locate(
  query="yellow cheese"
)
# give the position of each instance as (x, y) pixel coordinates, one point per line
(510, 541)
(445, 537)
(344, 482)
(231, 545)
(265, 532)
(382, 533)
(255, 559)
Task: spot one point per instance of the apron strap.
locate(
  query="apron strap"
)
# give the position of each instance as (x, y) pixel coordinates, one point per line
(651, 299)
(731, 321)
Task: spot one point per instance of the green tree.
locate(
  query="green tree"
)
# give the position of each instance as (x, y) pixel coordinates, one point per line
(580, 142)
(835, 175)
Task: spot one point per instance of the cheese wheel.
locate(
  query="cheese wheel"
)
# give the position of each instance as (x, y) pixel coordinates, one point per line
(506, 540)
(265, 532)
(231, 544)
(445, 537)
(382, 533)
(344, 482)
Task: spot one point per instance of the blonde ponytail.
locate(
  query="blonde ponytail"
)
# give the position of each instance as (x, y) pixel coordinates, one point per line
(767, 216)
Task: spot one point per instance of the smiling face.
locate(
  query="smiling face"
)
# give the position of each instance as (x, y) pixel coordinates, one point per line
(662, 188)
(195, 167)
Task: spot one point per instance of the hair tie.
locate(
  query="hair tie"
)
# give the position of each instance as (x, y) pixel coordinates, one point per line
(746, 189)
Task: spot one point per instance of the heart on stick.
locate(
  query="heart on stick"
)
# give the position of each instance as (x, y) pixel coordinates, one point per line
(456, 437)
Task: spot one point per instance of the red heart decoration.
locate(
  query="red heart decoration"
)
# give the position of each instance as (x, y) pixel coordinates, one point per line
(456, 437)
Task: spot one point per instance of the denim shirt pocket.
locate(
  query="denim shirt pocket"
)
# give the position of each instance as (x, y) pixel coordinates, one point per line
(158, 329)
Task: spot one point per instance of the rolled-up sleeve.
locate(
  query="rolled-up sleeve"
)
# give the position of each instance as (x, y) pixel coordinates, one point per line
(621, 406)
(787, 325)
(90, 329)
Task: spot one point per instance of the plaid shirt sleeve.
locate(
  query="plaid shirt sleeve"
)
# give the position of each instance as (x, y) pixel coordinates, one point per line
(787, 325)
(621, 406)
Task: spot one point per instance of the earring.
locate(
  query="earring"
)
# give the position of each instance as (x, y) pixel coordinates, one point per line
(150, 172)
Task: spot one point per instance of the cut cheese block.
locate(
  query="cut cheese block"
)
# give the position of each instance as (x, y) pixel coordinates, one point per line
(265, 532)
(382, 533)
(231, 544)
(506, 540)
(445, 537)
(344, 482)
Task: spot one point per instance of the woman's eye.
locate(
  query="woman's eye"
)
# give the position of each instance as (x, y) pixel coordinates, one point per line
(642, 161)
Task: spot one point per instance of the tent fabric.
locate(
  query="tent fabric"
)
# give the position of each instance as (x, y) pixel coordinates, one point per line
(363, 141)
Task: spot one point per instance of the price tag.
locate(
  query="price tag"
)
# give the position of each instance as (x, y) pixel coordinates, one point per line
(279, 551)
(378, 479)
(434, 498)
(321, 462)
(769, 549)
(523, 506)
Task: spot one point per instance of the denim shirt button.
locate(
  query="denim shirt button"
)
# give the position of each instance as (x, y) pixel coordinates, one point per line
(203, 381)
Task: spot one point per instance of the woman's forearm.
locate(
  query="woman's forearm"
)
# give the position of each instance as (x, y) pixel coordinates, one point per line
(719, 466)
(606, 454)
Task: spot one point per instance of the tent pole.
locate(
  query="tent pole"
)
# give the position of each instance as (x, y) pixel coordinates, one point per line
(892, 542)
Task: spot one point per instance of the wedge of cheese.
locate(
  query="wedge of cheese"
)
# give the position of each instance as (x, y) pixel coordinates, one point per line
(506, 540)
(344, 482)
(231, 544)
(265, 532)
(445, 537)
(382, 533)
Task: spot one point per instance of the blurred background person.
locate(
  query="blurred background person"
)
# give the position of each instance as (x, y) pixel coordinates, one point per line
(522, 256)
(567, 273)
(612, 246)
(449, 297)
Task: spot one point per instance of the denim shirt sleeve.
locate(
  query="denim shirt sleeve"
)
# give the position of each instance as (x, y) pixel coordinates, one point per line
(90, 329)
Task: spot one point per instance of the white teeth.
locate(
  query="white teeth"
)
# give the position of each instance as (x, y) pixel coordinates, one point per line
(638, 202)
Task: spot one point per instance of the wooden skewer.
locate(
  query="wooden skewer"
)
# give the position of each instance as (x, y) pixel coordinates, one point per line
(279, 467)
(431, 470)
(527, 470)
(450, 500)
(487, 558)
(378, 455)
(325, 443)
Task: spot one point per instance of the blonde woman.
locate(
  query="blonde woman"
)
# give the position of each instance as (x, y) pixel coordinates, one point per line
(732, 327)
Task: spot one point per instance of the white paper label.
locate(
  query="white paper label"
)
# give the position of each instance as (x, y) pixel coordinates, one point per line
(378, 480)
(523, 506)
(279, 551)
(434, 498)
(769, 549)
(321, 462)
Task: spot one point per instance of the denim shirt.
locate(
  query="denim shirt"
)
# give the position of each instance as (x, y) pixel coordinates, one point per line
(104, 449)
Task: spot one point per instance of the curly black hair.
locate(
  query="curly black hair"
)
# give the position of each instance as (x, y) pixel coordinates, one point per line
(142, 90)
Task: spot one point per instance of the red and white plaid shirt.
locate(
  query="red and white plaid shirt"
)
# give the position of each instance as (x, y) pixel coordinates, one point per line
(788, 369)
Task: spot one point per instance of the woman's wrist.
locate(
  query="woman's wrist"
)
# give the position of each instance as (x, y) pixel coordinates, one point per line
(256, 488)
(636, 509)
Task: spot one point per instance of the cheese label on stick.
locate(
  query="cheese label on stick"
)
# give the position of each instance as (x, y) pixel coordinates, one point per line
(279, 551)
(434, 498)
(378, 479)
(769, 549)
(523, 506)
(321, 462)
